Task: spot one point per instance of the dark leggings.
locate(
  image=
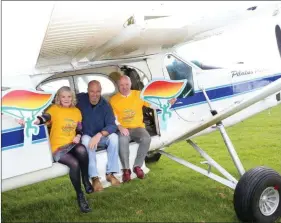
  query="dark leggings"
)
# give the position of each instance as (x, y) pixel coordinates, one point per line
(76, 159)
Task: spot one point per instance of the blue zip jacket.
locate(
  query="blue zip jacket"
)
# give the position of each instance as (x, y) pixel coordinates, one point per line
(99, 118)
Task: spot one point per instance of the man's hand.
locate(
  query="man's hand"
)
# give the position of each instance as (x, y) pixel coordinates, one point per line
(124, 131)
(76, 139)
(173, 101)
(93, 144)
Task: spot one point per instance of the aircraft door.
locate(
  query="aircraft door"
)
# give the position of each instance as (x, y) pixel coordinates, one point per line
(177, 69)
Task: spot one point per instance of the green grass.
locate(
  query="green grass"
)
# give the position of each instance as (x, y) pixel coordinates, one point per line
(169, 193)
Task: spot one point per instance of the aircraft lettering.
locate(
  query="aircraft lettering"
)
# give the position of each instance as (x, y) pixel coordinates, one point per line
(246, 72)
(240, 73)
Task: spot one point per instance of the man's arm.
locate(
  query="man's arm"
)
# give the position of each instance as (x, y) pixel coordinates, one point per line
(110, 126)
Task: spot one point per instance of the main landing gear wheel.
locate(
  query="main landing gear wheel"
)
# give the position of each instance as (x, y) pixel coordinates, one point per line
(152, 157)
(257, 196)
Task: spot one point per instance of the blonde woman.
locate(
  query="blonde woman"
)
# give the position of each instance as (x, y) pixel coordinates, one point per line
(65, 120)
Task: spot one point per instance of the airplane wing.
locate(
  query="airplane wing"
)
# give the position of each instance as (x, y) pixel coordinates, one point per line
(58, 36)
(81, 32)
(268, 90)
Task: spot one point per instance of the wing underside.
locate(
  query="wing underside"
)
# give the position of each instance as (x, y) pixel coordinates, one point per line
(92, 31)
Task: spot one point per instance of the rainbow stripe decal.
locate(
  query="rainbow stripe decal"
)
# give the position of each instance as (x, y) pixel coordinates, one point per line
(25, 105)
(163, 89)
(25, 100)
(159, 93)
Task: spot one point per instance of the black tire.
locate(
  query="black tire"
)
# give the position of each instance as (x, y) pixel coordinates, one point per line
(248, 192)
(152, 157)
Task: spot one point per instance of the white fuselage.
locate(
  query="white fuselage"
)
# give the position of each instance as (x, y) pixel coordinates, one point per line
(225, 87)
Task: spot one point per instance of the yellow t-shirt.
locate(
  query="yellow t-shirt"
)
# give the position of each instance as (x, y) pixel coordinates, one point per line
(64, 122)
(128, 110)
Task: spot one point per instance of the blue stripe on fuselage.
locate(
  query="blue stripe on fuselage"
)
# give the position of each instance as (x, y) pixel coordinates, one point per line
(13, 139)
(225, 91)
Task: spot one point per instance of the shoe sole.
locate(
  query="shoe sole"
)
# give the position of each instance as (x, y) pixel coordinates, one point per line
(140, 177)
(113, 185)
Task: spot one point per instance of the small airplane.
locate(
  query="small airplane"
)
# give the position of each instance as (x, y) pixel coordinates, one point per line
(72, 43)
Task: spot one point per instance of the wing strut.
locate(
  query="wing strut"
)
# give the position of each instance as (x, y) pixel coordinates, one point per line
(229, 181)
(252, 184)
(226, 138)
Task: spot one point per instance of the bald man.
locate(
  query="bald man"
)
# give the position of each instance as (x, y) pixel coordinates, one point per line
(99, 128)
(127, 107)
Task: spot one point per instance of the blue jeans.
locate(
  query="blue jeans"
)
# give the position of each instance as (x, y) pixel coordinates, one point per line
(112, 143)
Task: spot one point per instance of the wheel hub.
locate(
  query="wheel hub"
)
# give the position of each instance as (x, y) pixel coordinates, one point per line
(269, 201)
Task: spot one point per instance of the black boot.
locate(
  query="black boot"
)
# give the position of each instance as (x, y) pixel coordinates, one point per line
(87, 185)
(82, 202)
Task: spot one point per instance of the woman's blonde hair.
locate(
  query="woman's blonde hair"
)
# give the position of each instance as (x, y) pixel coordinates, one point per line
(62, 89)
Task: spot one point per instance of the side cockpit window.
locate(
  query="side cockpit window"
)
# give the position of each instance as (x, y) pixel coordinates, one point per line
(53, 85)
(178, 70)
(83, 80)
(108, 87)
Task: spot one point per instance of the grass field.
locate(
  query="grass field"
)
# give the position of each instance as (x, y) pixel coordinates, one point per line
(169, 193)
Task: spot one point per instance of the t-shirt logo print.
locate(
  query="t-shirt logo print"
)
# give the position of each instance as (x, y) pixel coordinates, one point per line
(128, 115)
(69, 127)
